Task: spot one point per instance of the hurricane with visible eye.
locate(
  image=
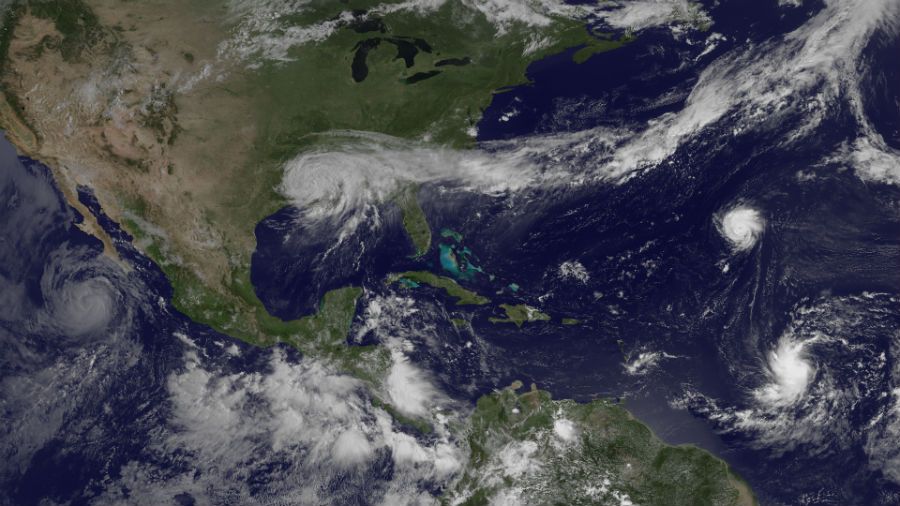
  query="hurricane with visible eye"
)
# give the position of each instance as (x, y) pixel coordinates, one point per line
(742, 226)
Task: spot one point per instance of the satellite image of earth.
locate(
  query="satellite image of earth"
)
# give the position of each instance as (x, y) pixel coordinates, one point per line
(450, 252)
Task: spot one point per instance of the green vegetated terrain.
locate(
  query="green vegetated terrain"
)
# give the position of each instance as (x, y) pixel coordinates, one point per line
(465, 56)
(462, 295)
(520, 314)
(602, 43)
(414, 221)
(530, 449)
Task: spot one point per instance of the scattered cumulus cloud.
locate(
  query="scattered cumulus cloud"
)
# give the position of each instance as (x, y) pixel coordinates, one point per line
(573, 269)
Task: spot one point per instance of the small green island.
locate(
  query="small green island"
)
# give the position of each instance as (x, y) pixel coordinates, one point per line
(459, 323)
